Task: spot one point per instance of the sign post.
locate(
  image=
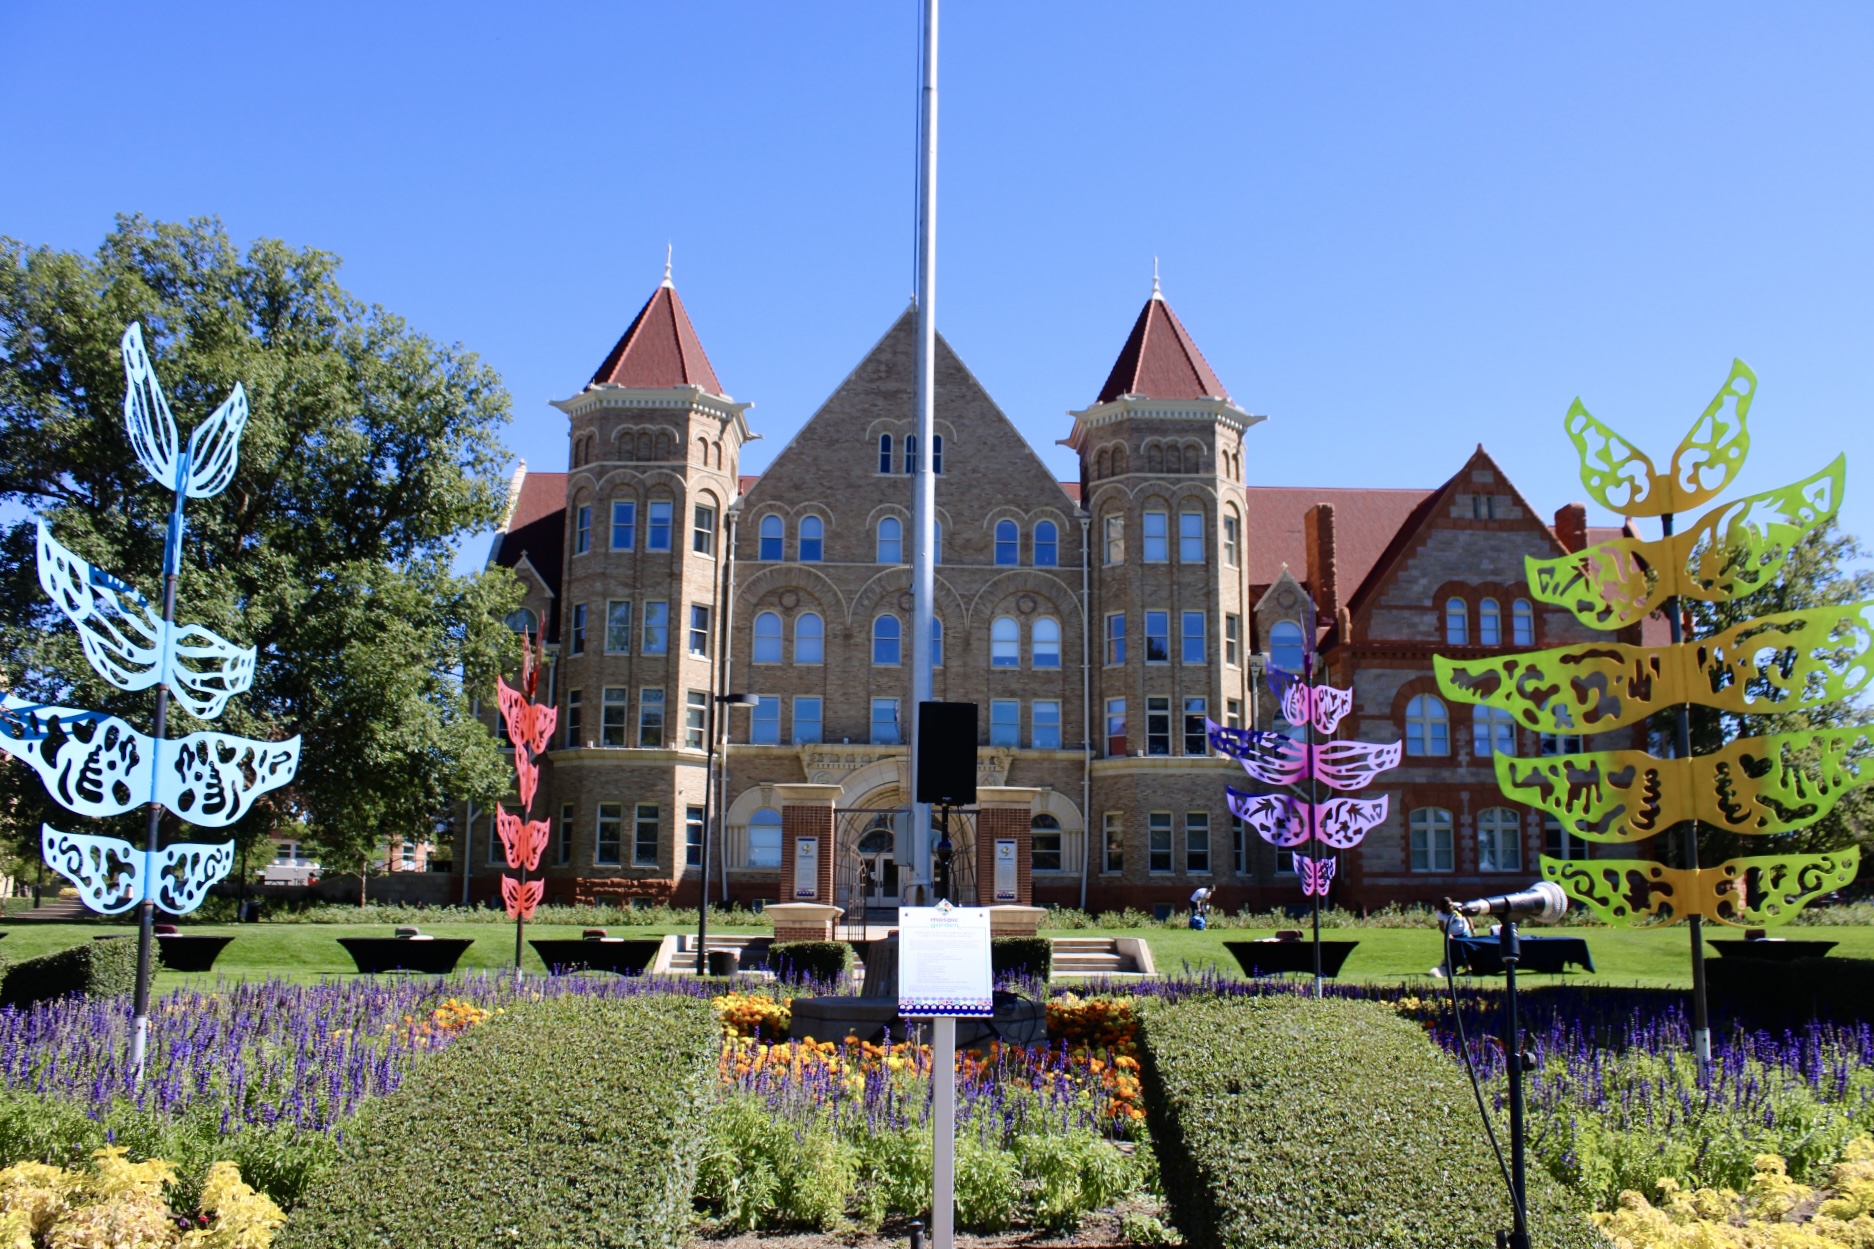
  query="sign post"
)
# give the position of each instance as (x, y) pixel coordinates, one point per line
(943, 972)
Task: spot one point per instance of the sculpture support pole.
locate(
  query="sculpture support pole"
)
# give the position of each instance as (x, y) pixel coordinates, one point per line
(1314, 811)
(923, 487)
(1682, 749)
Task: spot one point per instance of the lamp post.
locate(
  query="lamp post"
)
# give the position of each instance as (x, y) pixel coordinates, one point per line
(709, 819)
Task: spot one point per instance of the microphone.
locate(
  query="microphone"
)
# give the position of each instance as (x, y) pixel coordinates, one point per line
(1543, 902)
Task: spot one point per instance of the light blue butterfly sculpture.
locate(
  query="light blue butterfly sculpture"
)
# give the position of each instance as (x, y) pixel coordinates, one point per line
(98, 765)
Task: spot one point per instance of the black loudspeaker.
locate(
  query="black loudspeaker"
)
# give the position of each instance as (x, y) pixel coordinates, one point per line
(946, 754)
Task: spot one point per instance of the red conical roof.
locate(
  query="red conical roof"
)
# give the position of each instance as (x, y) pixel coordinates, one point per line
(660, 350)
(1159, 360)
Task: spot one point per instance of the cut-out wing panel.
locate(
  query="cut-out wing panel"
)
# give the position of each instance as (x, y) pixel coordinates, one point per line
(1285, 822)
(146, 412)
(184, 873)
(521, 840)
(107, 871)
(1276, 818)
(522, 897)
(1348, 765)
(1316, 875)
(1752, 892)
(215, 446)
(1274, 758)
(1323, 705)
(1620, 476)
(530, 725)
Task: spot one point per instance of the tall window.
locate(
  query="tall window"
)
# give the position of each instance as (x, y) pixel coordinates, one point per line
(1008, 543)
(886, 636)
(1428, 727)
(1196, 739)
(1005, 643)
(1116, 638)
(1493, 731)
(703, 530)
(1157, 637)
(808, 726)
(614, 716)
(1197, 842)
(885, 722)
(764, 726)
(699, 629)
(618, 627)
(1114, 541)
(624, 525)
(1233, 713)
(1158, 726)
(1190, 537)
(1489, 624)
(582, 529)
(936, 641)
(890, 541)
(609, 841)
(656, 628)
(764, 838)
(1005, 722)
(1113, 842)
(936, 455)
(910, 454)
(884, 453)
(650, 718)
(577, 643)
(1044, 841)
(1285, 647)
(1157, 547)
(1233, 640)
(1499, 841)
(575, 730)
(1559, 843)
(1559, 744)
(1431, 840)
(812, 539)
(1522, 623)
(1239, 849)
(1232, 541)
(644, 840)
(936, 541)
(1191, 649)
(1457, 623)
(1047, 545)
(1158, 841)
(695, 718)
(772, 532)
(1046, 638)
(1044, 724)
(692, 836)
(767, 638)
(1115, 727)
(563, 837)
(809, 639)
(658, 539)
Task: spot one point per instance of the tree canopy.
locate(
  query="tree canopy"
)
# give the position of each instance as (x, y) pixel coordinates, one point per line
(370, 450)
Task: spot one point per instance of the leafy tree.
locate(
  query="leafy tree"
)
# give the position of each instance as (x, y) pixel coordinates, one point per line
(369, 450)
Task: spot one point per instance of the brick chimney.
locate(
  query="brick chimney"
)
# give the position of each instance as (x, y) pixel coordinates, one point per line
(1318, 527)
(1571, 525)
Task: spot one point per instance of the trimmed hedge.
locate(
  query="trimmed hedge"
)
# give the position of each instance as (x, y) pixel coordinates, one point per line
(810, 960)
(93, 969)
(574, 1121)
(1021, 956)
(1290, 1123)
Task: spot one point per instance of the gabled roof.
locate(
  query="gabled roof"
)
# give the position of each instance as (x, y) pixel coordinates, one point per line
(1364, 523)
(536, 529)
(660, 350)
(1159, 360)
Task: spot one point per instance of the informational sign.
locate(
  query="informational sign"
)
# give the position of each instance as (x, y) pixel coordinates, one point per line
(1005, 870)
(943, 961)
(807, 869)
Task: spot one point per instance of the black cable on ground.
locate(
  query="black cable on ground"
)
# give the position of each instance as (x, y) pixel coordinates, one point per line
(1451, 978)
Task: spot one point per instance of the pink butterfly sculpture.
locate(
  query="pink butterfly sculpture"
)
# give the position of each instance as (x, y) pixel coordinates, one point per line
(522, 896)
(522, 840)
(530, 727)
(1277, 759)
(1315, 875)
(1322, 705)
(1286, 822)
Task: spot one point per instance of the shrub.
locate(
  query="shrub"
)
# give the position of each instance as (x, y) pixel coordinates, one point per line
(1021, 956)
(568, 1121)
(1284, 1123)
(118, 1202)
(93, 969)
(810, 960)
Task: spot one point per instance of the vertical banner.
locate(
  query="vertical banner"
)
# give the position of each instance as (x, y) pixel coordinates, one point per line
(807, 869)
(1005, 870)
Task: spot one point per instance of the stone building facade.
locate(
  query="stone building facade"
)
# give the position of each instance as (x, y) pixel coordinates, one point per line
(1095, 623)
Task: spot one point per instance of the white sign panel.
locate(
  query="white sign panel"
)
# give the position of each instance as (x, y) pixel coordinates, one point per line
(1005, 870)
(807, 869)
(943, 961)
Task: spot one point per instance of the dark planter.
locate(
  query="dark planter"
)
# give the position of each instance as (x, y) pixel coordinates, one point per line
(614, 954)
(1770, 950)
(1267, 958)
(436, 956)
(182, 952)
(724, 962)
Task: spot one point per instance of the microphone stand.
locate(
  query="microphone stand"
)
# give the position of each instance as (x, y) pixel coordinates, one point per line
(1511, 949)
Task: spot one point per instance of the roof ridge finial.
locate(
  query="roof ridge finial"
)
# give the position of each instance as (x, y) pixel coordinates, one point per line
(668, 250)
(1156, 293)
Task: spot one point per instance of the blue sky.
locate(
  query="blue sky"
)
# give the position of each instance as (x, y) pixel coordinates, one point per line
(1397, 230)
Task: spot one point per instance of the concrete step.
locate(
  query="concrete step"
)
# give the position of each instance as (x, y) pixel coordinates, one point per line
(1094, 956)
(49, 911)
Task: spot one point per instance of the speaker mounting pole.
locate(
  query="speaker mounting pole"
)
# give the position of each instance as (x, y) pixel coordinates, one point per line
(923, 486)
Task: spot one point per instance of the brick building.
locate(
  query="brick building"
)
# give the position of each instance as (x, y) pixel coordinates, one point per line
(1096, 623)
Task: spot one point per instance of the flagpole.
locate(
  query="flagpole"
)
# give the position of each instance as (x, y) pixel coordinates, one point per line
(923, 486)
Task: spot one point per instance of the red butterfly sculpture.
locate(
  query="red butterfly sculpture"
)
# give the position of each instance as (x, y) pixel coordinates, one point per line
(530, 727)
(523, 840)
(522, 896)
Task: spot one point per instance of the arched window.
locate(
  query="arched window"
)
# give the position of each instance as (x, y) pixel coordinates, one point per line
(812, 534)
(937, 541)
(1493, 731)
(884, 453)
(771, 534)
(1428, 727)
(1046, 635)
(764, 838)
(1285, 646)
(1457, 622)
(1008, 543)
(1499, 841)
(1522, 623)
(1431, 840)
(1489, 624)
(1047, 545)
(522, 620)
(936, 641)
(890, 541)
(809, 639)
(1044, 843)
(1005, 643)
(886, 635)
(767, 638)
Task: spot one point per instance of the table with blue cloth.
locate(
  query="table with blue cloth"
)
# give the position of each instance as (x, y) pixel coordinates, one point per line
(1483, 956)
